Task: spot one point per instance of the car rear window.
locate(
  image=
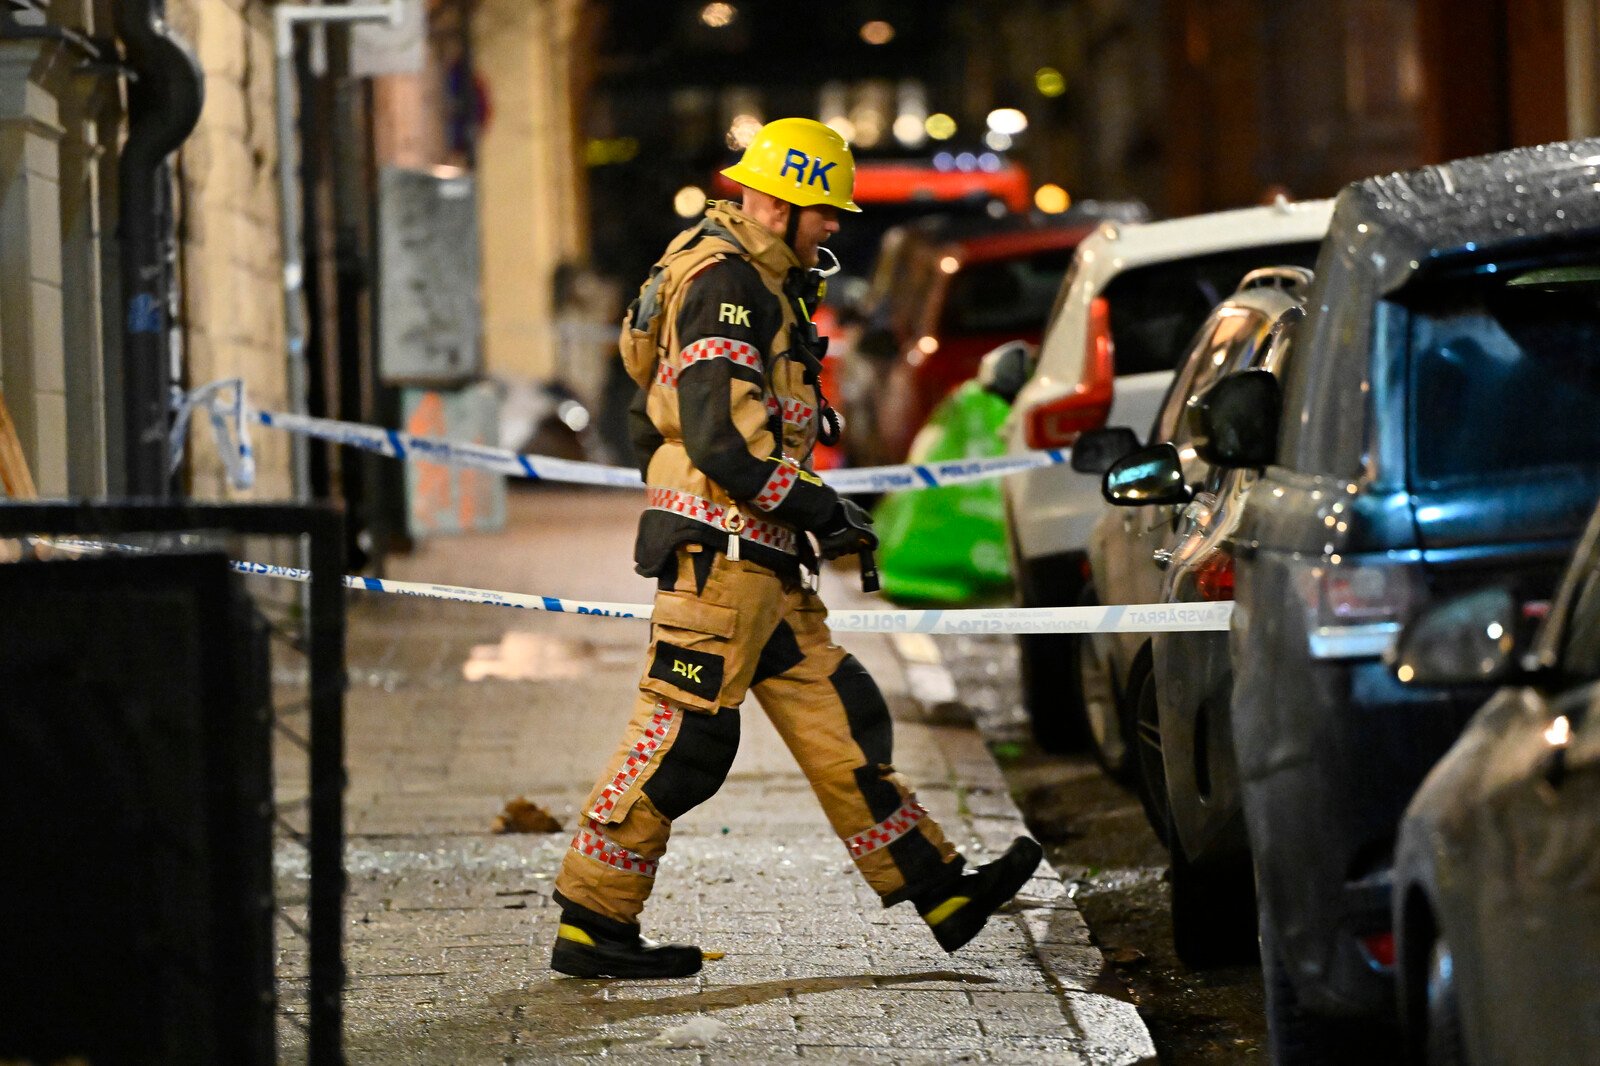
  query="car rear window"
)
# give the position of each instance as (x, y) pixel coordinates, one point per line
(1004, 296)
(1505, 371)
(1157, 309)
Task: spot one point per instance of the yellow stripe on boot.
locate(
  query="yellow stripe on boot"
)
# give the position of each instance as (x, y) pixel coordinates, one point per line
(574, 934)
(946, 909)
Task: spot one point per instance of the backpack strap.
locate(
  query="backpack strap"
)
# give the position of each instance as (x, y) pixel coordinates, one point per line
(690, 252)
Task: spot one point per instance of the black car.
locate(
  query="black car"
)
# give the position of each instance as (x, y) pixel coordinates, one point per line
(1497, 873)
(1171, 539)
(1440, 430)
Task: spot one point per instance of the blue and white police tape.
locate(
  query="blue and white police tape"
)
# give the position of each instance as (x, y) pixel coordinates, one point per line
(458, 593)
(401, 445)
(229, 424)
(397, 444)
(1133, 618)
(1117, 618)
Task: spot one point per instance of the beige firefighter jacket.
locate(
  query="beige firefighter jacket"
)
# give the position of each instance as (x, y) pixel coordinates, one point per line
(729, 413)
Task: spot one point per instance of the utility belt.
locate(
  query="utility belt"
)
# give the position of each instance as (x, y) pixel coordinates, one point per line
(730, 520)
(800, 556)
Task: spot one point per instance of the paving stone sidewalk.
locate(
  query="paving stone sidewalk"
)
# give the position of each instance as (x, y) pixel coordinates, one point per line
(449, 925)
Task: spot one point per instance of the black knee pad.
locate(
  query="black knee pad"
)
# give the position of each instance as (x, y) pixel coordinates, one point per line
(697, 763)
(864, 709)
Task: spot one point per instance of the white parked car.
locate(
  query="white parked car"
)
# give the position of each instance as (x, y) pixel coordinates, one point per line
(1127, 312)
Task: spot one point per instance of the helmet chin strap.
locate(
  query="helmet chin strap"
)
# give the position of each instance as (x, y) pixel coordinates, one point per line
(791, 229)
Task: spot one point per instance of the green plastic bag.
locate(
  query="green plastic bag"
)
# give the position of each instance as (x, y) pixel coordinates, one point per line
(948, 545)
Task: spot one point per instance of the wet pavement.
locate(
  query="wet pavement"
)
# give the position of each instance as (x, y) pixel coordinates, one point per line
(456, 709)
(1096, 836)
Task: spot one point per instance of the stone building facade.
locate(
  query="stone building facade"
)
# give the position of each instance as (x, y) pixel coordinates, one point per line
(63, 117)
(58, 115)
(62, 114)
(230, 260)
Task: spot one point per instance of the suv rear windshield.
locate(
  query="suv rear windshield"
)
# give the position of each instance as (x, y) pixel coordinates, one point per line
(1505, 371)
(1005, 296)
(1157, 309)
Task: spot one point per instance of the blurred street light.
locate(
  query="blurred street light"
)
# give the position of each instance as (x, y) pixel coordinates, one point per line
(877, 32)
(718, 15)
(1052, 199)
(604, 151)
(843, 127)
(910, 131)
(1007, 120)
(742, 130)
(940, 126)
(689, 201)
(998, 141)
(873, 101)
(911, 106)
(1049, 82)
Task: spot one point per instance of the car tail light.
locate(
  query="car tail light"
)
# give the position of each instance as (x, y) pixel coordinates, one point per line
(1378, 948)
(1354, 610)
(1363, 594)
(1056, 424)
(1213, 578)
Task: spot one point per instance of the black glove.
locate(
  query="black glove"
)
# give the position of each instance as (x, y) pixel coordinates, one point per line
(847, 531)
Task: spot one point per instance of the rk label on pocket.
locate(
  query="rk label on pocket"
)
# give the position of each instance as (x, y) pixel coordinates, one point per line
(693, 671)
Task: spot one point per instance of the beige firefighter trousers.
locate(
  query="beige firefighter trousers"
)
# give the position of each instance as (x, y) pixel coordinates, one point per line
(746, 629)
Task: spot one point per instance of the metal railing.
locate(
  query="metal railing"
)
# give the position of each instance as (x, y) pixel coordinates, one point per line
(313, 725)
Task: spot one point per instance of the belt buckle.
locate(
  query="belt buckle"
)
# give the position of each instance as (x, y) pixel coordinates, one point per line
(734, 521)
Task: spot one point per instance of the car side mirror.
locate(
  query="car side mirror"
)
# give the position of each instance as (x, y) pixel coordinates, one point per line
(1149, 475)
(1006, 369)
(1234, 423)
(1465, 640)
(1096, 449)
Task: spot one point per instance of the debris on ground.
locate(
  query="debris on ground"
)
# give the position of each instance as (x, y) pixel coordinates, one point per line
(696, 1032)
(522, 815)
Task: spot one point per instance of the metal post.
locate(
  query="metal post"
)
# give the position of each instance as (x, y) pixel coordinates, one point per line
(286, 18)
(164, 99)
(325, 909)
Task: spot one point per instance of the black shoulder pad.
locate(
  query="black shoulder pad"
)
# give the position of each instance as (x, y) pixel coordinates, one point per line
(727, 299)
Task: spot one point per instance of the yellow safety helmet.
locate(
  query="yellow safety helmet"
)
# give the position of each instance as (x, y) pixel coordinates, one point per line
(799, 160)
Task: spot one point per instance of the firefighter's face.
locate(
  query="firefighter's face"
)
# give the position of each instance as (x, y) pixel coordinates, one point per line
(817, 224)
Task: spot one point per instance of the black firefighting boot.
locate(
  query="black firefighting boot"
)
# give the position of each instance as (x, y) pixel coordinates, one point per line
(589, 951)
(957, 913)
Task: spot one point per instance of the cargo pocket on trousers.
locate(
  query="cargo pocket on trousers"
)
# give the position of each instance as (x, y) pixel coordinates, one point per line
(689, 648)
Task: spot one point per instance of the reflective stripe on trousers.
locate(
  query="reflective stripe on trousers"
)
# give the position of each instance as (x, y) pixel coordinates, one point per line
(771, 637)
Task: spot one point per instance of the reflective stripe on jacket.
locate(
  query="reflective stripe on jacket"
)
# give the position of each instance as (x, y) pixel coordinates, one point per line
(726, 425)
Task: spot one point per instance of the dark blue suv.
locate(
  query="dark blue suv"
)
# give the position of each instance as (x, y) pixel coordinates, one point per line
(1440, 430)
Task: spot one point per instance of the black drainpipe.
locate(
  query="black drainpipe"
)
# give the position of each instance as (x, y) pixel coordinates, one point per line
(165, 92)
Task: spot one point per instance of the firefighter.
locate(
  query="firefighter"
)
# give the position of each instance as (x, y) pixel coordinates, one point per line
(721, 343)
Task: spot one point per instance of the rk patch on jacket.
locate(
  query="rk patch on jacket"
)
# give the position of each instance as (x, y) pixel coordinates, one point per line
(692, 671)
